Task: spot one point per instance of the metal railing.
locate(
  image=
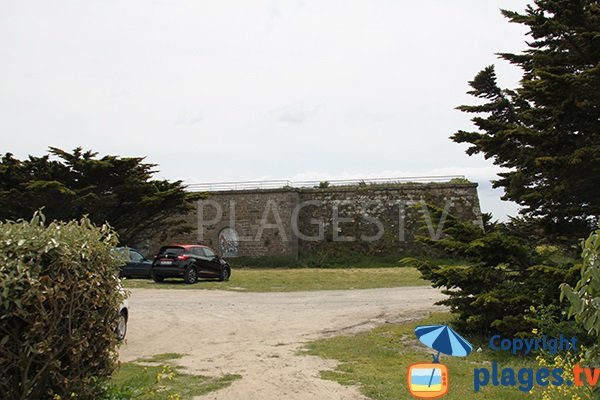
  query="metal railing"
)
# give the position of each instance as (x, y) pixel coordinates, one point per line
(282, 183)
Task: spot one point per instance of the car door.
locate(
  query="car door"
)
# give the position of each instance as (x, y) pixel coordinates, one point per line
(213, 264)
(138, 265)
(200, 261)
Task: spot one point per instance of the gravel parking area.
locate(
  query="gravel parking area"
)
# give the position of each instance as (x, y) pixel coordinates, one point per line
(259, 335)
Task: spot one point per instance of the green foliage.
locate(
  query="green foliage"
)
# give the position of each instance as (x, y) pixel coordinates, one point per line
(157, 379)
(584, 298)
(565, 361)
(110, 189)
(377, 360)
(546, 130)
(459, 181)
(320, 260)
(59, 301)
(503, 278)
(552, 320)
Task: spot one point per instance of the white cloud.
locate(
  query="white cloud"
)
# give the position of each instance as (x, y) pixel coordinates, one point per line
(295, 114)
(189, 118)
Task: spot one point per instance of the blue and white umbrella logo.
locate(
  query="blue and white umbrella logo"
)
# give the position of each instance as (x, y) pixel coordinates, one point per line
(443, 339)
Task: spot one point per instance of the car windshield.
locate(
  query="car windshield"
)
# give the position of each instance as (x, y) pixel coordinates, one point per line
(171, 251)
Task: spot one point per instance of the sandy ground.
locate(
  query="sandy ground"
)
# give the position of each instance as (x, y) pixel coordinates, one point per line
(258, 335)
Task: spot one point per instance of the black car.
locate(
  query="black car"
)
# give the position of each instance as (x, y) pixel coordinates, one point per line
(190, 262)
(136, 265)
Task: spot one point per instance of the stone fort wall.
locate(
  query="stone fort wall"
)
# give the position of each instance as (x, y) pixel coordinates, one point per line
(369, 219)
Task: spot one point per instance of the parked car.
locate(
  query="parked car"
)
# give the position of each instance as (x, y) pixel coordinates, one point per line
(121, 325)
(189, 262)
(136, 265)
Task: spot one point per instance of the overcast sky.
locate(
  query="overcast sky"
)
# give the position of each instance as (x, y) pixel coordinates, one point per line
(223, 90)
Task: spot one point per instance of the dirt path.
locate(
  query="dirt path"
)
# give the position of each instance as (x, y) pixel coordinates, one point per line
(258, 335)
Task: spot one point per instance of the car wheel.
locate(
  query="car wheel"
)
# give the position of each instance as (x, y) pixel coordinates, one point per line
(225, 274)
(191, 276)
(121, 328)
(157, 278)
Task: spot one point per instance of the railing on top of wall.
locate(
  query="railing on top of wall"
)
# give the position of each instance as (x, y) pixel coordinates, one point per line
(281, 183)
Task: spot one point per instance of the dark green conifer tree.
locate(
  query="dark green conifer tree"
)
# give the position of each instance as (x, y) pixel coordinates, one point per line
(117, 190)
(546, 131)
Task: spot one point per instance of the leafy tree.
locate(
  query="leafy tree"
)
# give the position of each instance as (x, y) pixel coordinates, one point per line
(584, 297)
(118, 190)
(546, 131)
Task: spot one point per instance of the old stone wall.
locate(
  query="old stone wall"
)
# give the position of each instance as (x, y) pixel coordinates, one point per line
(368, 219)
(380, 219)
(258, 220)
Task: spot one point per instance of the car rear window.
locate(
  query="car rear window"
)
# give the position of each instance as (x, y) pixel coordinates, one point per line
(171, 250)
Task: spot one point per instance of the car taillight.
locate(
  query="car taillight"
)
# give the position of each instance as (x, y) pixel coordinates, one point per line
(182, 258)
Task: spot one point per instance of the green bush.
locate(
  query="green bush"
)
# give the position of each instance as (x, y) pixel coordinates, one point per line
(502, 279)
(59, 300)
(319, 260)
(584, 297)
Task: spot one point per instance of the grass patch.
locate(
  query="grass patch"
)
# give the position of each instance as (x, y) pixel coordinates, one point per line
(331, 260)
(161, 382)
(293, 280)
(377, 362)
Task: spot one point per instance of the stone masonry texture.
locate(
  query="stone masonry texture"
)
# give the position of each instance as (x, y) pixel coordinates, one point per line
(295, 222)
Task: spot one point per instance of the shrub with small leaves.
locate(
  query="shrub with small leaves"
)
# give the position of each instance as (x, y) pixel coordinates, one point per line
(584, 298)
(59, 300)
(565, 361)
